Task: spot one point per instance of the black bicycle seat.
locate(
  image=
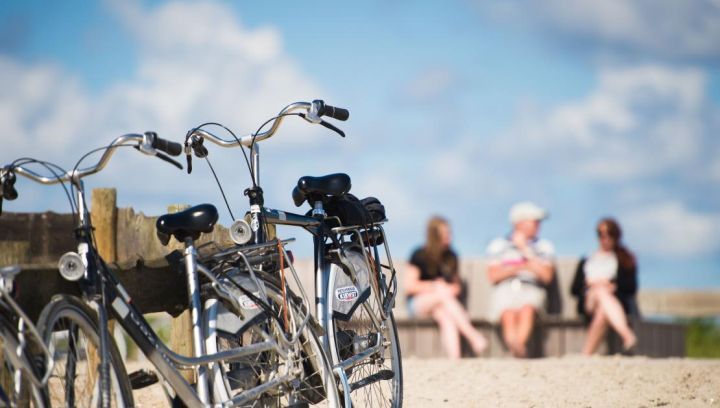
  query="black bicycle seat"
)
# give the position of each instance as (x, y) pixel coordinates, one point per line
(334, 185)
(189, 223)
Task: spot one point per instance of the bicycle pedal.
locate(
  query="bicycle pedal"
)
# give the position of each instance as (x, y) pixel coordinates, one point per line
(142, 378)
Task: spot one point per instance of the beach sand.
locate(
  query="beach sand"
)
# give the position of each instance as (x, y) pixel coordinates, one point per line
(572, 381)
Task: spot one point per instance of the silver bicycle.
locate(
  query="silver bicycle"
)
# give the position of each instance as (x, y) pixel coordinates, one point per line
(355, 280)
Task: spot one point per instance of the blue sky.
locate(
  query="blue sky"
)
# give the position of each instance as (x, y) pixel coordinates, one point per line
(459, 107)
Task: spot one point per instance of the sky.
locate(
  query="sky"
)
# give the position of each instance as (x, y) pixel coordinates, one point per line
(459, 108)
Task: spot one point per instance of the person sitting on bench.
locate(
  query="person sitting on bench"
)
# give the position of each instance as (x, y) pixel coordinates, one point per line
(605, 285)
(432, 285)
(520, 267)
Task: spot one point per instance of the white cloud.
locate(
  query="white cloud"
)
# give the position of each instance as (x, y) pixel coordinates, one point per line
(199, 63)
(41, 109)
(404, 209)
(670, 229)
(640, 121)
(665, 28)
(196, 63)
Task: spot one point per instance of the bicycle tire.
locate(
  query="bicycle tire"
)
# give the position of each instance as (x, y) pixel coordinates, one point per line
(311, 387)
(71, 331)
(27, 395)
(377, 381)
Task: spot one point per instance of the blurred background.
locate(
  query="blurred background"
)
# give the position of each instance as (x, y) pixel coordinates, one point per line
(458, 108)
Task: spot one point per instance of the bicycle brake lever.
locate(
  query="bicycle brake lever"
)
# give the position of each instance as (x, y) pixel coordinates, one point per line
(188, 157)
(166, 158)
(332, 127)
(163, 157)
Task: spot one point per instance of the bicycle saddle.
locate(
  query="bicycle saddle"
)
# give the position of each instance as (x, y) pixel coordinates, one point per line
(189, 223)
(334, 185)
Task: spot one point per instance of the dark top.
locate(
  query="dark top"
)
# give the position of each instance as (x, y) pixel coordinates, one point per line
(448, 268)
(626, 288)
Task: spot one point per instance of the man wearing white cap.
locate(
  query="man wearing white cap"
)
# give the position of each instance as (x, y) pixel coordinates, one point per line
(520, 266)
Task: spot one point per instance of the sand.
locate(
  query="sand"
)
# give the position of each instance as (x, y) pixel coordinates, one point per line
(572, 381)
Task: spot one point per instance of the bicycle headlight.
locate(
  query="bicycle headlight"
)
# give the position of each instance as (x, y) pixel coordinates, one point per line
(71, 266)
(240, 232)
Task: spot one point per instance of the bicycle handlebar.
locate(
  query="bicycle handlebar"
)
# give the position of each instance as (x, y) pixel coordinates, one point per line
(146, 143)
(312, 113)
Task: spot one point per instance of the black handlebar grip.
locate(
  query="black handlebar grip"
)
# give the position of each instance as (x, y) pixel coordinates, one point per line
(333, 112)
(171, 148)
(8, 187)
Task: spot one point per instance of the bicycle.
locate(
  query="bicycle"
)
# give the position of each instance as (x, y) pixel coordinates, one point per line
(354, 295)
(23, 351)
(88, 368)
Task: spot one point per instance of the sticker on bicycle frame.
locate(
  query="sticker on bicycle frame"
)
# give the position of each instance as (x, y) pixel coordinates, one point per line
(247, 303)
(346, 293)
(120, 307)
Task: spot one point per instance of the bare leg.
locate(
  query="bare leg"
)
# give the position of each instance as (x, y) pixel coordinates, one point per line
(616, 316)
(525, 324)
(508, 320)
(426, 302)
(457, 312)
(596, 332)
(449, 333)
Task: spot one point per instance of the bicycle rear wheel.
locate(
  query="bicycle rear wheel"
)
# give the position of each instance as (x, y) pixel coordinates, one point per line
(376, 380)
(70, 329)
(311, 379)
(15, 389)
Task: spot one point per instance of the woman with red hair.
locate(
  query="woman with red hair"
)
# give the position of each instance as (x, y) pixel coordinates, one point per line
(605, 284)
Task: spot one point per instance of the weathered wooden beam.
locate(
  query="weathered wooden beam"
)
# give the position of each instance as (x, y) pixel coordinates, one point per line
(14, 252)
(49, 234)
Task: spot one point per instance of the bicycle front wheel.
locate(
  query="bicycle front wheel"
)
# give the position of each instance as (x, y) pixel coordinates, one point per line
(365, 344)
(71, 332)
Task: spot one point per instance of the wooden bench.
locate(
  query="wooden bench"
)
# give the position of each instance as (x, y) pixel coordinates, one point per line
(552, 337)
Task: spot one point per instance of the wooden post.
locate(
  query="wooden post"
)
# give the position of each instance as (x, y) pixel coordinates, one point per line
(103, 216)
(104, 219)
(181, 327)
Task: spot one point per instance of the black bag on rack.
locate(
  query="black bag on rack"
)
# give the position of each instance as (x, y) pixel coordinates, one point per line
(375, 208)
(353, 211)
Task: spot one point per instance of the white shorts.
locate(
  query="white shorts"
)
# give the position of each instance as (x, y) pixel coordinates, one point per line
(514, 294)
